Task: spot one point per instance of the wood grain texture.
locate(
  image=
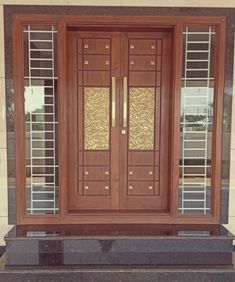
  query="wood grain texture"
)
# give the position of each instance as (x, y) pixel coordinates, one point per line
(69, 124)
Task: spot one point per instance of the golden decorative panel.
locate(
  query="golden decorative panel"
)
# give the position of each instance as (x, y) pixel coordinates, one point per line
(141, 118)
(96, 118)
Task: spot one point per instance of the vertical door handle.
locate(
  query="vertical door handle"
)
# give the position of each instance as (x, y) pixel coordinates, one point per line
(113, 101)
(124, 101)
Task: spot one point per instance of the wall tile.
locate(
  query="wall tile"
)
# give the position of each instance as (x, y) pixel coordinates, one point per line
(4, 203)
(3, 222)
(231, 224)
(2, 60)
(96, 2)
(37, 2)
(2, 114)
(3, 168)
(234, 62)
(3, 183)
(233, 116)
(179, 3)
(232, 169)
(231, 203)
(4, 228)
(156, 3)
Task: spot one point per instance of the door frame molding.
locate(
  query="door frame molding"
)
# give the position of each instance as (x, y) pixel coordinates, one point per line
(176, 23)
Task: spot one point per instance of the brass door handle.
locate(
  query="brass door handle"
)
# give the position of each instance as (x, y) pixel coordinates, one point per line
(113, 101)
(124, 101)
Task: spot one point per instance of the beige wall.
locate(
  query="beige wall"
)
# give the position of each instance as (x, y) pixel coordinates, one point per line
(166, 3)
(3, 157)
(177, 3)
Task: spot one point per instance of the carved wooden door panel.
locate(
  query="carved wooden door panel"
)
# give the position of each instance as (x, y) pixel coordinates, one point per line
(93, 121)
(118, 105)
(144, 138)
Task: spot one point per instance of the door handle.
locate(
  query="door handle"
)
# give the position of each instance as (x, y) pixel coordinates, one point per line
(113, 101)
(124, 101)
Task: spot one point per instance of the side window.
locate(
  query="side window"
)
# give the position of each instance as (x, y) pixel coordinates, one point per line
(40, 95)
(196, 119)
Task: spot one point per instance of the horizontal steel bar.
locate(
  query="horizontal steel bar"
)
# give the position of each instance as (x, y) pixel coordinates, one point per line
(197, 158)
(197, 42)
(42, 174)
(197, 88)
(43, 140)
(40, 40)
(42, 158)
(196, 60)
(42, 122)
(41, 50)
(42, 209)
(43, 114)
(39, 68)
(194, 140)
(43, 192)
(41, 59)
(194, 209)
(193, 192)
(43, 149)
(198, 166)
(197, 69)
(196, 132)
(42, 201)
(40, 31)
(193, 183)
(193, 200)
(42, 131)
(197, 78)
(38, 166)
(194, 174)
(44, 185)
(194, 114)
(195, 105)
(196, 123)
(41, 77)
(194, 149)
(199, 32)
(197, 51)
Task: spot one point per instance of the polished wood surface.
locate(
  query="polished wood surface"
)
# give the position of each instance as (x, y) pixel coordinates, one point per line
(138, 181)
(143, 194)
(67, 84)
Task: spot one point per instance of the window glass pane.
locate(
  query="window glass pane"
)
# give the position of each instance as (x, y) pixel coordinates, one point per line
(41, 122)
(196, 120)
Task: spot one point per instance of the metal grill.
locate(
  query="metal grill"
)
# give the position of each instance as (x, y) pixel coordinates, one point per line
(196, 120)
(41, 119)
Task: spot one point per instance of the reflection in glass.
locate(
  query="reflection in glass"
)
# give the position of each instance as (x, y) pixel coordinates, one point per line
(40, 119)
(196, 120)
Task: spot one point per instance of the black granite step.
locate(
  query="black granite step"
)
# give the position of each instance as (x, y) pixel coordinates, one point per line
(122, 246)
(119, 275)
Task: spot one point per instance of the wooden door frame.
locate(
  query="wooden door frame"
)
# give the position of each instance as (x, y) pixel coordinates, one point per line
(176, 23)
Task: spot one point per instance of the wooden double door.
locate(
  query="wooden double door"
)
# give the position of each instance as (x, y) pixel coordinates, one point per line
(118, 121)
